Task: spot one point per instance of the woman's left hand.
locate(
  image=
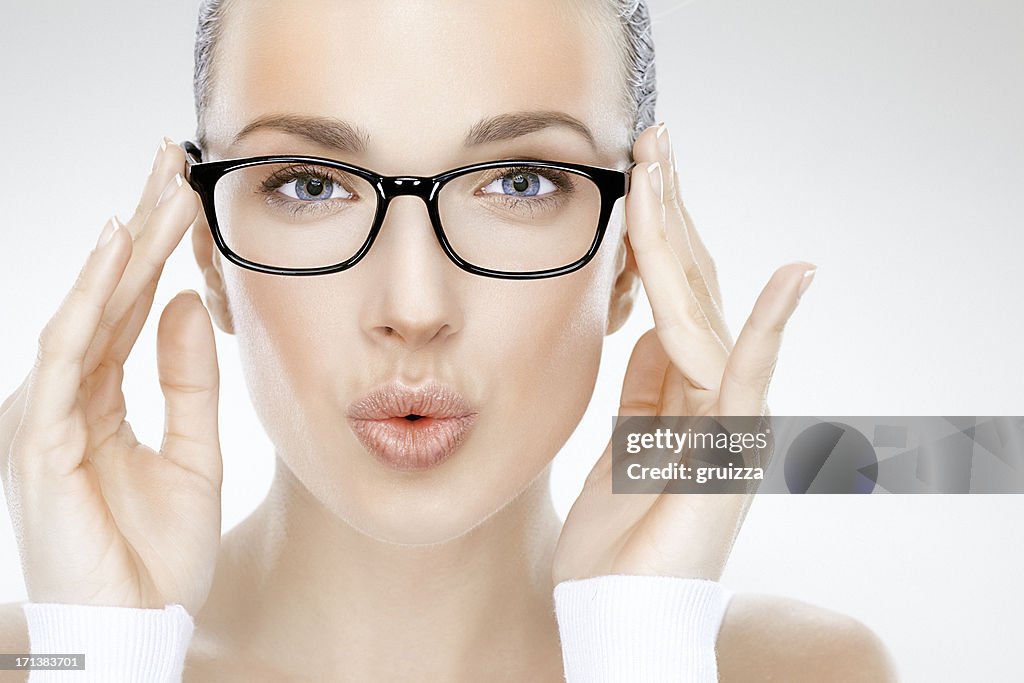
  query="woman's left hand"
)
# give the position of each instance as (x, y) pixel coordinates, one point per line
(686, 365)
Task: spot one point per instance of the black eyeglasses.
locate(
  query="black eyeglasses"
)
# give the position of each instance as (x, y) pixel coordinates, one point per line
(305, 215)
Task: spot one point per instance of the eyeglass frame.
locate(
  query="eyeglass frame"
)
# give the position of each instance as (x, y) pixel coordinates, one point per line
(203, 176)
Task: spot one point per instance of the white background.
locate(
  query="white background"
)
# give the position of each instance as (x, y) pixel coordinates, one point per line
(881, 140)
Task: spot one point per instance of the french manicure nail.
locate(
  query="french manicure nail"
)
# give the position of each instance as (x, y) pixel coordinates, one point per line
(665, 149)
(806, 281)
(664, 143)
(159, 154)
(164, 144)
(654, 171)
(108, 232)
(171, 188)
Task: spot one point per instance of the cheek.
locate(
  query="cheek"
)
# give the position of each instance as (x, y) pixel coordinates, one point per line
(551, 334)
(288, 332)
(559, 327)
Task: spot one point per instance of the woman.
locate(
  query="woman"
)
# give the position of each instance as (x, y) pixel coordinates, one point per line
(369, 560)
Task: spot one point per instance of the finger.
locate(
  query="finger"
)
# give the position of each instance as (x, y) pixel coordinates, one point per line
(190, 380)
(14, 399)
(685, 331)
(131, 326)
(10, 417)
(105, 409)
(168, 161)
(173, 214)
(654, 145)
(54, 384)
(673, 394)
(641, 389)
(645, 372)
(708, 267)
(752, 362)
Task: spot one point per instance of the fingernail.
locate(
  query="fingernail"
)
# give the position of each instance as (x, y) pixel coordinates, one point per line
(108, 232)
(668, 153)
(807, 279)
(664, 144)
(160, 152)
(170, 189)
(654, 171)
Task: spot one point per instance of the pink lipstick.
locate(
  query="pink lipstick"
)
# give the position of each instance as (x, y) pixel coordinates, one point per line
(411, 428)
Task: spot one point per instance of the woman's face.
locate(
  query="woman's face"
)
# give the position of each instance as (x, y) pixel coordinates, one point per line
(415, 77)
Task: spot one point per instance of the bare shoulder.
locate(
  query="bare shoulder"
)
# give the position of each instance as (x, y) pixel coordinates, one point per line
(13, 638)
(775, 638)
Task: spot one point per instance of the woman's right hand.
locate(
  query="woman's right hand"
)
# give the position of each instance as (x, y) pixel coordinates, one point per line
(100, 518)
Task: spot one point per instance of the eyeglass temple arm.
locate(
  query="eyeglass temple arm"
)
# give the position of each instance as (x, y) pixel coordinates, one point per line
(193, 155)
(629, 174)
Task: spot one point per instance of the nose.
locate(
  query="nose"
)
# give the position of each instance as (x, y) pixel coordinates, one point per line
(411, 294)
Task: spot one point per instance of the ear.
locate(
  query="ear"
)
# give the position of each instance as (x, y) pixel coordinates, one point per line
(210, 264)
(627, 282)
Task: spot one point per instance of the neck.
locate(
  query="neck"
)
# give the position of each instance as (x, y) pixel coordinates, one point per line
(296, 584)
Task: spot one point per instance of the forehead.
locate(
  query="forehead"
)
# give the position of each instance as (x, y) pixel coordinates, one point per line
(415, 75)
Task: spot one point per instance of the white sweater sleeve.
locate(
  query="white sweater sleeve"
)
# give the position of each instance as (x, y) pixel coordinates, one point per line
(640, 629)
(119, 643)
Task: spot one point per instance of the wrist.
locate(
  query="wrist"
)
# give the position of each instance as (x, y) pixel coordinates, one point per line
(118, 643)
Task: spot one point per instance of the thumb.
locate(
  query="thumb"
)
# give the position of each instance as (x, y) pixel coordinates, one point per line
(645, 376)
(641, 393)
(190, 381)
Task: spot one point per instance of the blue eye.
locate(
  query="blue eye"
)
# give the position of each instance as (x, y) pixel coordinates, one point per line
(521, 184)
(310, 188)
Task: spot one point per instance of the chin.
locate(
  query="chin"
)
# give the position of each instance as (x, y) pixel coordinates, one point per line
(423, 506)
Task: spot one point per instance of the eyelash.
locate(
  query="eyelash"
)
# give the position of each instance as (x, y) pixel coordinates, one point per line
(278, 179)
(560, 179)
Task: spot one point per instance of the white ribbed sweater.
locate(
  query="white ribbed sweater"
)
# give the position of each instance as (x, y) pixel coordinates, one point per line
(614, 629)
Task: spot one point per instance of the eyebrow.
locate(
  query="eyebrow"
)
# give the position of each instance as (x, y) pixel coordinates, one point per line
(323, 130)
(343, 136)
(509, 126)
